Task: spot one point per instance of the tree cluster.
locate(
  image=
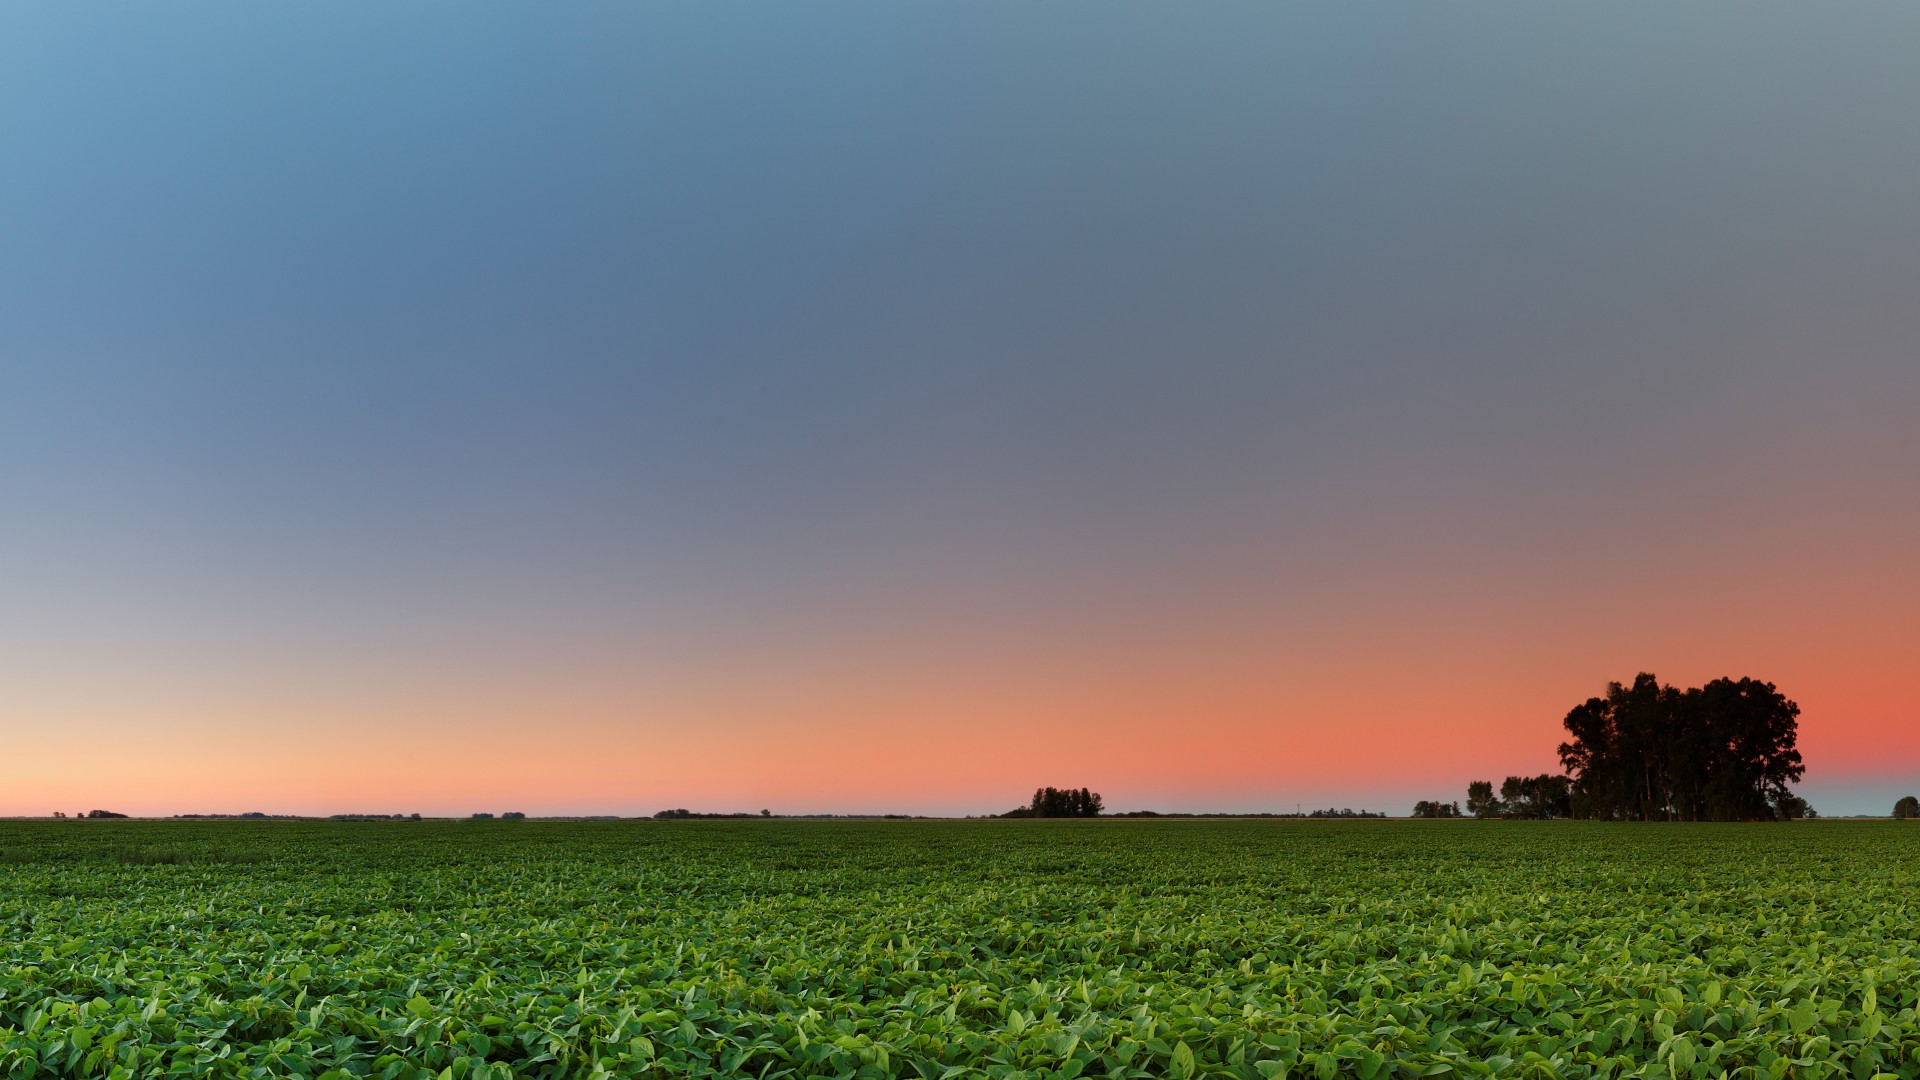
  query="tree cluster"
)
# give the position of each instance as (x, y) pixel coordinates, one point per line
(1060, 802)
(1531, 798)
(1425, 809)
(1906, 809)
(1481, 801)
(1720, 752)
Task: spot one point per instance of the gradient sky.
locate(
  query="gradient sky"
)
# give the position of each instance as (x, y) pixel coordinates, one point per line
(604, 407)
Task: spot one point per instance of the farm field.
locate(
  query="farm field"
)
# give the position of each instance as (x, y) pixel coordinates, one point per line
(951, 949)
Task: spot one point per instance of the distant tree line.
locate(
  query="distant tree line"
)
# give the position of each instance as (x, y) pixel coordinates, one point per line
(1529, 798)
(1329, 812)
(687, 815)
(1427, 809)
(1050, 802)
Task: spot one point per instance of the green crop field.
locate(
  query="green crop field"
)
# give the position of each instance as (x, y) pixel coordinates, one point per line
(950, 949)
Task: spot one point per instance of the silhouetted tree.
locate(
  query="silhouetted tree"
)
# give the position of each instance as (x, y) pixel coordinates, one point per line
(1535, 798)
(1906, 809)
(1481, 802)
(1791, 807)
(1425, 809)
(1059, 802)
(1721, 752)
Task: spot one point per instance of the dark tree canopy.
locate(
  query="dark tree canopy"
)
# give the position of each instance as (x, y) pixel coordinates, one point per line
(1481, 802)
(1536, 798)
(1426, 809)
(1721, 752)
(1060, 802)
(1533, 798)
(1907, 809)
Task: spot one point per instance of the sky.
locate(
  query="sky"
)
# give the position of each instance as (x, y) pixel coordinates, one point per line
(868, 407)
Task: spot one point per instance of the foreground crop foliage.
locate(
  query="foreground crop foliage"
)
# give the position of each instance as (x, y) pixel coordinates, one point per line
(925, 949)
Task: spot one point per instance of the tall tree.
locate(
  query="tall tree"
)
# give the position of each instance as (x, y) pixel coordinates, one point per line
(1481, 802)
(1906, 809)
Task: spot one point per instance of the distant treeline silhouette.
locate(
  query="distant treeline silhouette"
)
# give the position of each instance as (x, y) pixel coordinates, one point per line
(1080, 802)
(1329, 812)
(1530, 798)
(1060, 802)
(1527, 797)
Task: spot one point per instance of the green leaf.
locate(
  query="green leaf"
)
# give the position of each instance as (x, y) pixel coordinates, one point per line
(1181, 1066)
(1682, 1056)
